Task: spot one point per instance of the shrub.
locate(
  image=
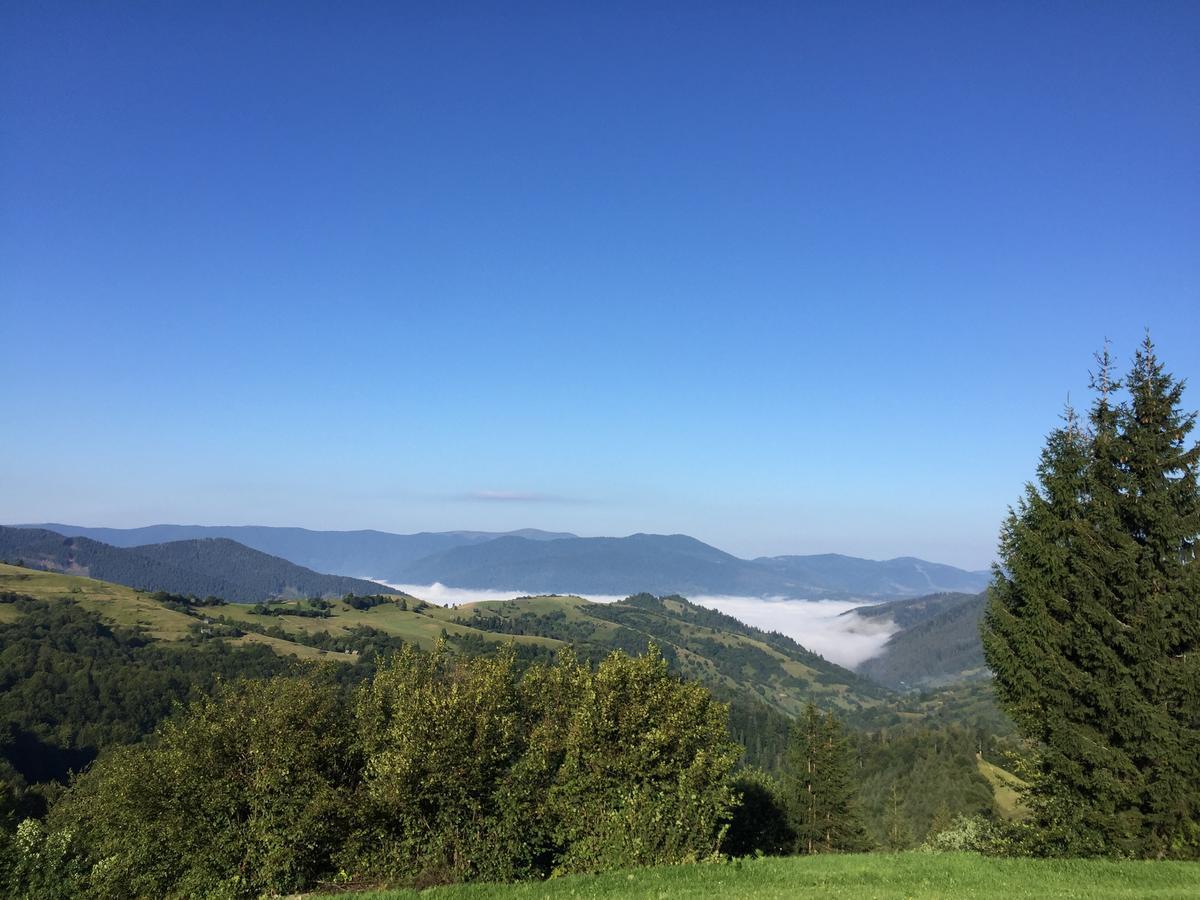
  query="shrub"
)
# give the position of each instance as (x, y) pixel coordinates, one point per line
(246, 793)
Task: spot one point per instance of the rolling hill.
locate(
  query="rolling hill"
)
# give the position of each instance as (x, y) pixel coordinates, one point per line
(736, 660)
(217, 567)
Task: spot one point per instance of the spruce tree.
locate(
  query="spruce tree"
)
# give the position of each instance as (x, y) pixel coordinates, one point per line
(819, 786)
(1159, 509)
(1093, 624)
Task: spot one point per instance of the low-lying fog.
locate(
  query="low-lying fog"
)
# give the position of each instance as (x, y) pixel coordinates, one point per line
(816, 624)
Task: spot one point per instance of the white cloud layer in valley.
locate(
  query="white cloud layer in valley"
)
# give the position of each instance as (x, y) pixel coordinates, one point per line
(818, 625)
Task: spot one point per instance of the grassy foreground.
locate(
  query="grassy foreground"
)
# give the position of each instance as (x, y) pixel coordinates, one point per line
(865, 876)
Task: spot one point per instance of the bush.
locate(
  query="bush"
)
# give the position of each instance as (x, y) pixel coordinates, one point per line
(977, 834)
(247, 793)
(441, 738)
(646, 772)
(444, 770)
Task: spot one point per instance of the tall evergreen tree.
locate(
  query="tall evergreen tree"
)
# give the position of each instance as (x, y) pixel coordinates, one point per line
(1093, 625)
(819, 787)
(1160, 511)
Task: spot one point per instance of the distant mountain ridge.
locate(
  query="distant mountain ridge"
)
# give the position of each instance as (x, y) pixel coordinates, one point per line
(676, 564)
(210, 566)
(358, 554)
(550, 562)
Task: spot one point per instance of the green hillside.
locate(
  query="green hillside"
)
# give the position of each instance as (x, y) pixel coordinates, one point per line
(125, 607)
(1007, 789)
(732, 658)
(937, 649)
(921, 742)
(735, 660)
(417, 623)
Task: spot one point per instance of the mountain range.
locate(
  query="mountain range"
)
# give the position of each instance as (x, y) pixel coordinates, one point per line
(547, 562)
(207, 567)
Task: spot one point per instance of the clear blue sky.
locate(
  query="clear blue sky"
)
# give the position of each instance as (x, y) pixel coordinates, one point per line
(788, 277)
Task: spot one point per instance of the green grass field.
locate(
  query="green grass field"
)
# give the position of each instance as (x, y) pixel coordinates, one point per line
(114, 603)
(875, 876)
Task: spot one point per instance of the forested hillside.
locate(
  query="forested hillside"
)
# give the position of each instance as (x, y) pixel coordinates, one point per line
(912, 611)
(934, 649)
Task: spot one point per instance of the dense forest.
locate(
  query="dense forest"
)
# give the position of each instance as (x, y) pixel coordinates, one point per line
(941, 648)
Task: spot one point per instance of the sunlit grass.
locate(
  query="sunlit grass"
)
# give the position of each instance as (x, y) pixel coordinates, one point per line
(855, 877)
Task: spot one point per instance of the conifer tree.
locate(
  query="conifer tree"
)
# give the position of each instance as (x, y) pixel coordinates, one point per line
(819, 786)
(1093, 624)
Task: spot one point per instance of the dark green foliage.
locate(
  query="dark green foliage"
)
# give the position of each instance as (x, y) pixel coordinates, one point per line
(303, 612)
(442, 739)
(445, 769)
(762, 730)
(819, 787)
(970, 704)
(250, 792)
(646, 761)
(70, 685)
(370, 602)
(1093, 629)
(475, 773)
(913, 780)
(760, 823)
(185, 602)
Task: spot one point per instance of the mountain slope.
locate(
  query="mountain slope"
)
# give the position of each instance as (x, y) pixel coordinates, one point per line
(733, 659)
(912, 611)
(540, 561)
(739, 662)
(940, 649)
(656, 563)
(667, 564)
(361, 554)
(903, 576)
(220, 568)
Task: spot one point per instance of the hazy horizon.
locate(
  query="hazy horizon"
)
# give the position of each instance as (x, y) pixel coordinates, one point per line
(46, 522)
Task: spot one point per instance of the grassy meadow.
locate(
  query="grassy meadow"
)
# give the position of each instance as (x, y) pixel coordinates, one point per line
(875, 876)
(131, 608)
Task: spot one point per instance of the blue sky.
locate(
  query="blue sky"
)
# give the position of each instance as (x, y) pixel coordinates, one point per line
(786, 277)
